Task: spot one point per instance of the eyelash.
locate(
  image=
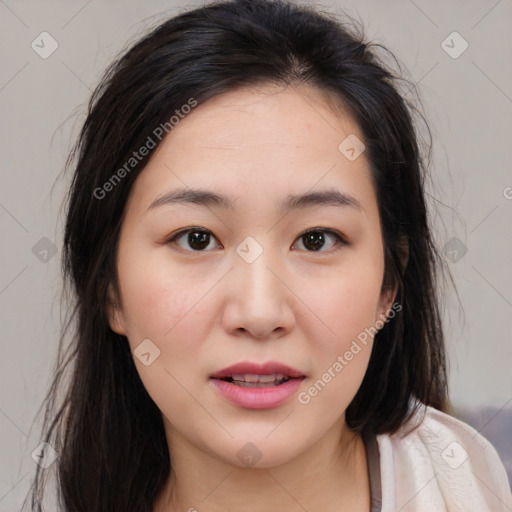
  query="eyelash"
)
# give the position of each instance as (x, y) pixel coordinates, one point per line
(340, 240)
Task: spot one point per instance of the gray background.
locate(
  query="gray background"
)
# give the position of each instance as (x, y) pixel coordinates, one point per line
(467, 100)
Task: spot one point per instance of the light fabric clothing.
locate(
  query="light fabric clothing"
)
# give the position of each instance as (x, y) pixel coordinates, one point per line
(443, 465)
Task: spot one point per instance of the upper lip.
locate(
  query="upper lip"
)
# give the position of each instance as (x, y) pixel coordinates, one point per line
(267, 368)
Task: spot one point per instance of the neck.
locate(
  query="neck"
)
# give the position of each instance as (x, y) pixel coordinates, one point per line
(331, 475)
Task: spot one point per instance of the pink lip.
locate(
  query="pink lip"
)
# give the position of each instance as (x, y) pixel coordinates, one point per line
(257, 398)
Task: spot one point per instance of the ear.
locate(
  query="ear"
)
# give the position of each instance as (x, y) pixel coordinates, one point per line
(115, 313)
(388, 293)
(387, 298)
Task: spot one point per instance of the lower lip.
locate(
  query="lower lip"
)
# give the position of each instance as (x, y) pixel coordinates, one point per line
(257, 398)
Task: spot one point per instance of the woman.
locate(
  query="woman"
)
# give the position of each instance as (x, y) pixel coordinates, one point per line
(257, 324)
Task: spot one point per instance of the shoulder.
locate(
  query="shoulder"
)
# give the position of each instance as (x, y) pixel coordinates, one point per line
(437, 462)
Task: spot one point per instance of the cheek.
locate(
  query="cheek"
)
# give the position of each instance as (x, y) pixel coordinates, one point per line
(175, 320)
(345, 304)
(340, 351)
(159, 304)
(341, 338)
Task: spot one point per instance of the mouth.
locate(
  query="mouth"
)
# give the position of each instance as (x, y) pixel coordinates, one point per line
(257, 386)
(271, 373)
(249, 380)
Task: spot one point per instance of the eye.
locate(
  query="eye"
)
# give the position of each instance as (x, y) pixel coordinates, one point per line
(315, 239)
(198, 239)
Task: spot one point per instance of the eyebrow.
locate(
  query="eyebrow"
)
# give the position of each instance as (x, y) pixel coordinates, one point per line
(207, 198)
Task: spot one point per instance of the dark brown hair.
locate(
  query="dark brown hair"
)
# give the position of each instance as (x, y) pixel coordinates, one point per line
(108, 432)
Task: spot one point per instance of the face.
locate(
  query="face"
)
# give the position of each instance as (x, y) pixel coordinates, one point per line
(284, 273)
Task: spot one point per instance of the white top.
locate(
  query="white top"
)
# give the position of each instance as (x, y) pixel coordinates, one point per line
(444, 465)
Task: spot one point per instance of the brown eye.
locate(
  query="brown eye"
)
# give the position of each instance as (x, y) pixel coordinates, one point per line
(196, 239)
(200, 240)
(314, 240)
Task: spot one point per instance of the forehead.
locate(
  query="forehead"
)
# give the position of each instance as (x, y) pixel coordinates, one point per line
(287, 116)
(255, 142)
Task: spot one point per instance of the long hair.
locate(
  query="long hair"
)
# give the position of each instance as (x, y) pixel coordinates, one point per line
(108, 432)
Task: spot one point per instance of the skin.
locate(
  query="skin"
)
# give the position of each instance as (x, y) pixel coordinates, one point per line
(207, 310)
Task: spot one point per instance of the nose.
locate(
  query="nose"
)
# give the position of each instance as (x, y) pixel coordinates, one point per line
(259, 300)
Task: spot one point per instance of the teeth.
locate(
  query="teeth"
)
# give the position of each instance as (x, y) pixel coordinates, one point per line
(249, 377)
(270, 378)
(245, 377)
(243, 384)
